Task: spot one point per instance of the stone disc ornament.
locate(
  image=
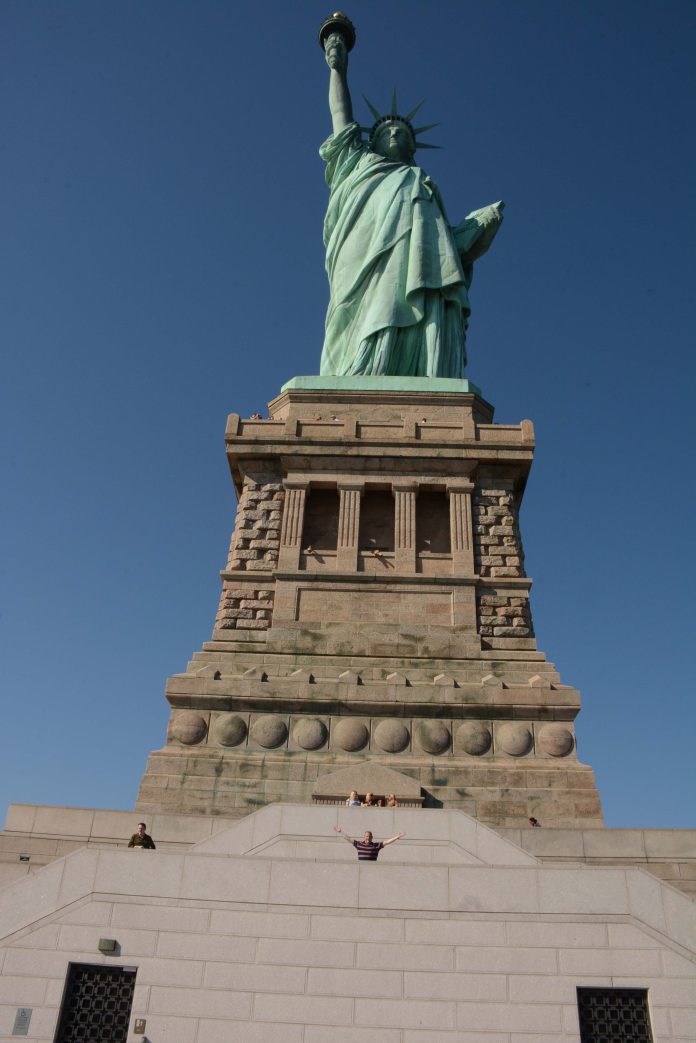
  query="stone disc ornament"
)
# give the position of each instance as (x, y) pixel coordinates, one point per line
(189, 728)
(351, 735)
(556, 740)
(392, 736)
(433, 736)
(514, 739)
(310, 733)
(229, 729)
(269, 731)
(475, 738)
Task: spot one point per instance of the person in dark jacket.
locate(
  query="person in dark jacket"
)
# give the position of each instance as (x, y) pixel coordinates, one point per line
(141, 838)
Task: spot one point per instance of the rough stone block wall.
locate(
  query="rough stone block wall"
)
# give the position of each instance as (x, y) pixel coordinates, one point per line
(256, 537)
(254, 548)
(244, 609)
(501, 614)
(497, 542)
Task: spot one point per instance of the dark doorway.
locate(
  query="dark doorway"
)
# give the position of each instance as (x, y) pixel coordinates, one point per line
(321, 520)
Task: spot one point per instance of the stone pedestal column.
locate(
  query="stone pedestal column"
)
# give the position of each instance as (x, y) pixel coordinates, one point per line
(461, 528)
(348, 526)
(365, 664)
(405, 525)
(293, 522)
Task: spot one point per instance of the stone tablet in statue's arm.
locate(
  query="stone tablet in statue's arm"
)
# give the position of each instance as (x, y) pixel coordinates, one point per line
(476, 232)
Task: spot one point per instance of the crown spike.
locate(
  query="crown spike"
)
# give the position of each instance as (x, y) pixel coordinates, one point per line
(414, 110)
(394, 114)
(375, 112)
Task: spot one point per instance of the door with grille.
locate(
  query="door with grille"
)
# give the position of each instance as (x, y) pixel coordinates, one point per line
(96, 1004)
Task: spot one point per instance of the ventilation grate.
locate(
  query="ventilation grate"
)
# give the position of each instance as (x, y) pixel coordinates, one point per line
(96, 1004)
(614, 1016)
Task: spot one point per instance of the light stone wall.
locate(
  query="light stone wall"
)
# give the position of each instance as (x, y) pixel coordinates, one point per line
(36, 834)
(41, 834)
(669, 854)
(251, 947)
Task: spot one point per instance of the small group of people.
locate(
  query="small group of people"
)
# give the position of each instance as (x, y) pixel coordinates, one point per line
(368, 848)
(370, 801)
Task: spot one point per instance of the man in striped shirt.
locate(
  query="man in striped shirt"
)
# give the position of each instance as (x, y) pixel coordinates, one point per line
(367, 848)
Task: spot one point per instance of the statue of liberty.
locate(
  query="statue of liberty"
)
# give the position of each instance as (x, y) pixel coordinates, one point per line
(399, 274)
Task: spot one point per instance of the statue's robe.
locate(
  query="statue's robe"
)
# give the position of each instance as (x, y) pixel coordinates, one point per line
(399, 275)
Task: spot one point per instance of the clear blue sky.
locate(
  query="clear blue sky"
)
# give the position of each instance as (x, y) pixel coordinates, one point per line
(162, 266)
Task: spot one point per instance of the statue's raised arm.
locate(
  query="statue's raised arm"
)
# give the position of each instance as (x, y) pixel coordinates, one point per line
(337, 37)
(339, 96)
(399, 275)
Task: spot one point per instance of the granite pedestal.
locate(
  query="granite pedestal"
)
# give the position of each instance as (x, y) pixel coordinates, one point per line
(375, 612)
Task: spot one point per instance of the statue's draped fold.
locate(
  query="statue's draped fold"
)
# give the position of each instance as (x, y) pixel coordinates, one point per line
(398, 273)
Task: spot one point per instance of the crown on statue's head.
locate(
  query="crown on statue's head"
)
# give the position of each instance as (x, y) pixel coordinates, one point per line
(393, 116)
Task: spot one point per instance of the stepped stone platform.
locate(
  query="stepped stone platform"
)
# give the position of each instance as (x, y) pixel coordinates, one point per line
(36, 835)
(271, 930)
(375, 611)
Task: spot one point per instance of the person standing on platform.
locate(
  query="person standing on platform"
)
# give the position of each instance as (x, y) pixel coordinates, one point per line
(141, 838)
(367, 848)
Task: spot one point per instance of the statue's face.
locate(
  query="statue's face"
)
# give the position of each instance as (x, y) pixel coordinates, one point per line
(393, 141)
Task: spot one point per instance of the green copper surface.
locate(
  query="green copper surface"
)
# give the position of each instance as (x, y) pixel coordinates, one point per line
(399, 273)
